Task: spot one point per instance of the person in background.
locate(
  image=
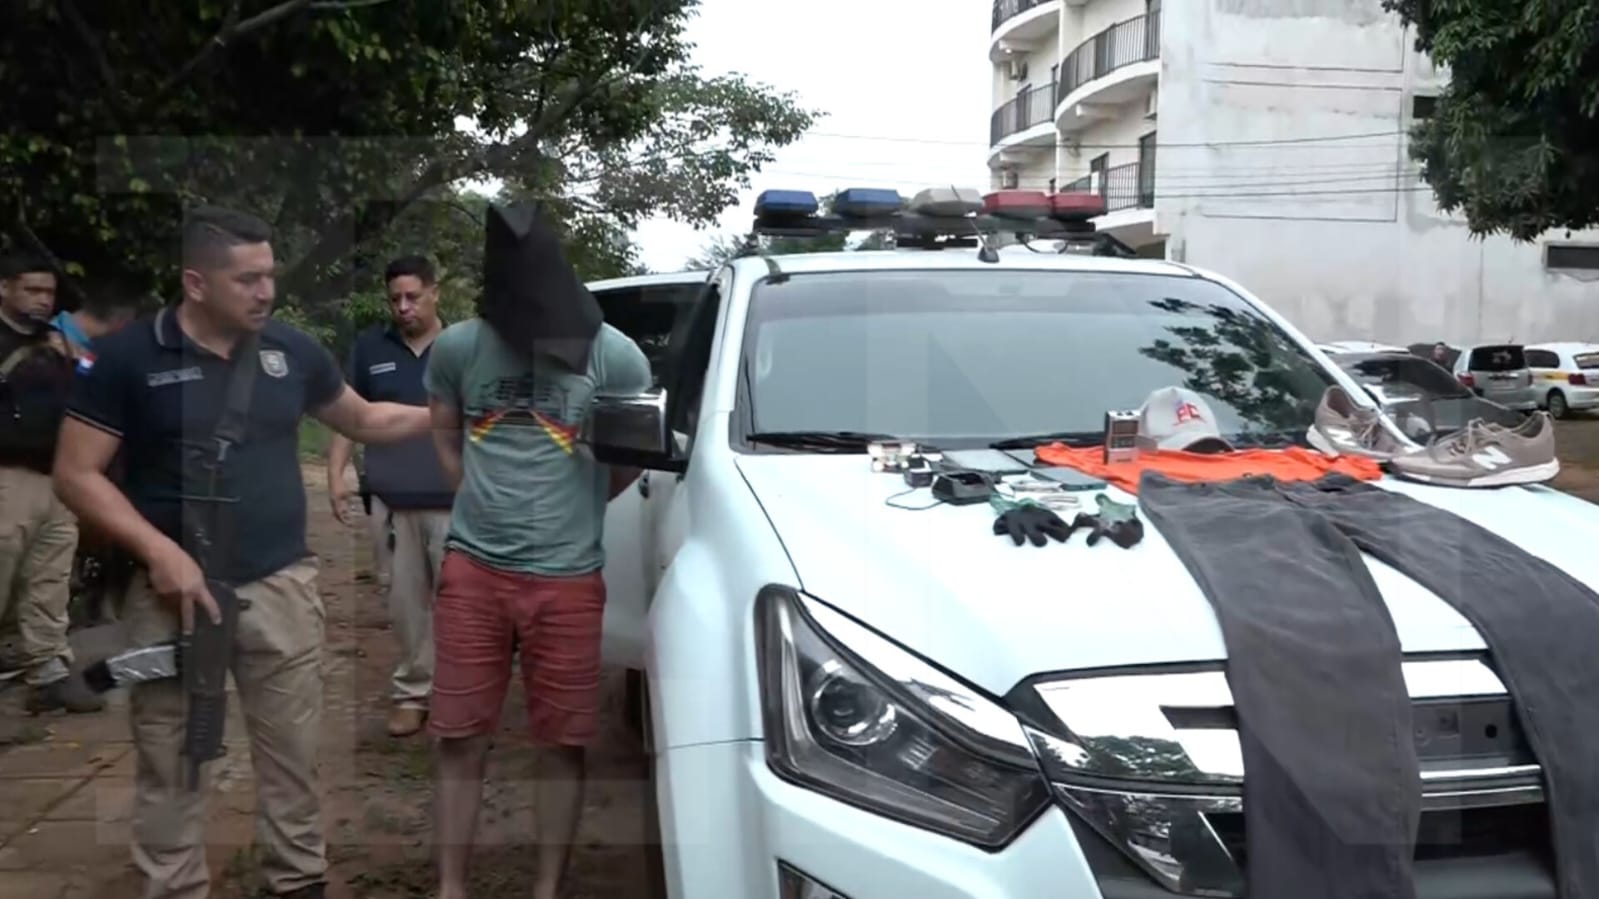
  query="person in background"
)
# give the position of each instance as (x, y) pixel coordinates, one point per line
(410, 497)
(157, 389)
(508, 390)
(38, 534)
(99, 315)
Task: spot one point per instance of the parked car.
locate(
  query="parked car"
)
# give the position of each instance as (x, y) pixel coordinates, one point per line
(1421, 397)
(1499, 372)
(1566, 375)
(841, 694)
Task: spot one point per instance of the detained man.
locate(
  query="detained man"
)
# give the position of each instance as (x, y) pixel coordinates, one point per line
(522, 573)
(410, 496)
(158, 391)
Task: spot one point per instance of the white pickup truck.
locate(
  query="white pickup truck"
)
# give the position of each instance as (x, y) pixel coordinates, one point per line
(854, 693)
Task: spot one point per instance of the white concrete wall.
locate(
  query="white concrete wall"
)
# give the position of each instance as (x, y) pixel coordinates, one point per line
(1116, 137)
(1340, 235)
(1097, 15)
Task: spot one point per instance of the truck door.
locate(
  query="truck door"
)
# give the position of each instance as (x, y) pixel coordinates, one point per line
(649, 313)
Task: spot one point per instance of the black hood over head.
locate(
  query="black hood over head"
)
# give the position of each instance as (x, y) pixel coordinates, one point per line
(532, 297)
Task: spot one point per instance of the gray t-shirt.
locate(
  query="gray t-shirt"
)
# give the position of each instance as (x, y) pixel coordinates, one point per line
(532, 499)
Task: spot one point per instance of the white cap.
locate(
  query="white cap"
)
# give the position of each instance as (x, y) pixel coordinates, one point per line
(1175, 418)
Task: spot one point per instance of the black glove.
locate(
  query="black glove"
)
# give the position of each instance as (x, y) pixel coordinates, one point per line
(1033, 523)
(1125, 533)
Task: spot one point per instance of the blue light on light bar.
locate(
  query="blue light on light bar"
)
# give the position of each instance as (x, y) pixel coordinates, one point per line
(787, 203)
(865, 202)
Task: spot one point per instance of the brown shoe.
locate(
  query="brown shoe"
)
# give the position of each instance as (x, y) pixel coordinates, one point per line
(404, 721)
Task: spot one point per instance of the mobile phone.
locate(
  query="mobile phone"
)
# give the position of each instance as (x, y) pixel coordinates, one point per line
(1069, 478)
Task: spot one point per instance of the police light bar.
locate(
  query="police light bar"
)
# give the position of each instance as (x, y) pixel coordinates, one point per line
(947, 202)
(1078, 206)
(867, 202)
(786, 204)
(1018, 204)
(938, 217)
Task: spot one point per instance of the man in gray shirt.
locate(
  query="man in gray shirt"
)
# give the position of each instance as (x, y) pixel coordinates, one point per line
(508, 391)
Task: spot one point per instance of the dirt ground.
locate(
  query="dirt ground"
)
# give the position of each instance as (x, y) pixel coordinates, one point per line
(65, 783)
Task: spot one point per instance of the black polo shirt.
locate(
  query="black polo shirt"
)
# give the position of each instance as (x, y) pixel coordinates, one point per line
(405, 475)
(160, 392)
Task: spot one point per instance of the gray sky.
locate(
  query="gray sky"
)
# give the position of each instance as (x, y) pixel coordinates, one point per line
(913, 114)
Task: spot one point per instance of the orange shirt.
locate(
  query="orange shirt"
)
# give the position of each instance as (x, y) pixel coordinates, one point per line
(1294, 463)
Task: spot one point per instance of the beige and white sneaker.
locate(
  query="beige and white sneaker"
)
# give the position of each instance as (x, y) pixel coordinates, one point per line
(1486, 455)
(1343, 428)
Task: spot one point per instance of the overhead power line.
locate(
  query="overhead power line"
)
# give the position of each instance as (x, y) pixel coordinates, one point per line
(1085, 145)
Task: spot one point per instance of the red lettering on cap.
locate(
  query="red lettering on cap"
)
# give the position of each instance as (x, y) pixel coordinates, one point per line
(1187, 412)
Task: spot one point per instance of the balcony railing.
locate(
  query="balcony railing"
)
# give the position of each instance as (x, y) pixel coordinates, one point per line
(1034, 106)
(1005, 10)
(1130, 186)
(1122, 44)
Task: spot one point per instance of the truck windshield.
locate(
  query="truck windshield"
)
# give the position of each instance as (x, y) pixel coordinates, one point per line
(962, 358)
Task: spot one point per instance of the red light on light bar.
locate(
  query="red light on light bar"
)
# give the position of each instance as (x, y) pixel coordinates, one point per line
(1020, 204)
(1076, 206)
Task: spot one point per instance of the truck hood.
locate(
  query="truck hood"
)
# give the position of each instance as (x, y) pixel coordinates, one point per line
(940, 583)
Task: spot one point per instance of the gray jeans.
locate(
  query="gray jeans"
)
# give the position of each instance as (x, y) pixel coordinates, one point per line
(1333, 796)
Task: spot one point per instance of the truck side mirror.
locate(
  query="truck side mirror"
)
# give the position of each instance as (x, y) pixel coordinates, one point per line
(630, 429)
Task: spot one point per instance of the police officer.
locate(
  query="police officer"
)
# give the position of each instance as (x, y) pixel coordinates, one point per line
(158, 389)
(38, 535)
(411, 499)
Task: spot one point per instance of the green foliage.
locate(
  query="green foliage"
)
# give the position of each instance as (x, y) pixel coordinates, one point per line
(336, 121)
(1514, 139)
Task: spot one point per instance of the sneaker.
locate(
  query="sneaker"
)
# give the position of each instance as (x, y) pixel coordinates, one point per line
(1486, 455)
(1342, 428)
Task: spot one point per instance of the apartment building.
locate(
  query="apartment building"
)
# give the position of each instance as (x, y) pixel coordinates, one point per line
(1280, 159)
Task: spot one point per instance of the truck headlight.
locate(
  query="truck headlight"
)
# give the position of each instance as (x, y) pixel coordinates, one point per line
(850, 714)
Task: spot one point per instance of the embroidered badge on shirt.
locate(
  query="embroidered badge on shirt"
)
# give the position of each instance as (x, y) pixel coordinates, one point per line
(382, 368)
(274, 363)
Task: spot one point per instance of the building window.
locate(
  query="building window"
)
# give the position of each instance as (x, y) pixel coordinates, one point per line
(1571, 257)
(1009, 179)
(1421, 107)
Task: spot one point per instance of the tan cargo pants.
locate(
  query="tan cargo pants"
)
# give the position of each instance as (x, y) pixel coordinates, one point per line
(277, 671)
(419, 536)
(38, 537)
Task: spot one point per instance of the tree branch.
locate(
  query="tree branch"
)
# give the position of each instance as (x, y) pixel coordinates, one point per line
(97, 53)
(234, 28)
(442, 172)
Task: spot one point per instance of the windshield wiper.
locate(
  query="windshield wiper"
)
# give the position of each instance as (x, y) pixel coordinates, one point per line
(1029, 441)
(822, 441)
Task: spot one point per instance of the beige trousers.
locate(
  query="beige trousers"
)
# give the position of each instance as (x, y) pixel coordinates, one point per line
(278, 678)
(419, 536)
(38, 538)
(380, 529)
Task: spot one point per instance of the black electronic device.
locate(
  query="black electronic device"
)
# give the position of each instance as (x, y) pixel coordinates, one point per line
(918, 473)
(960, 488)
(1069, 478)
(1121, 436)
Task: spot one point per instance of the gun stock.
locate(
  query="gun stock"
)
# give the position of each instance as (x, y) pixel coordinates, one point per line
(205, 657)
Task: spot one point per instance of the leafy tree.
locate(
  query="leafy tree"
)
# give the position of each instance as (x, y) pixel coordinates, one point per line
(337, 121)
(1513, 141)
